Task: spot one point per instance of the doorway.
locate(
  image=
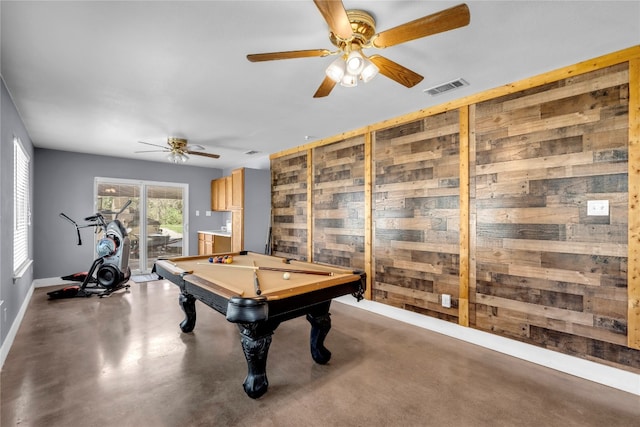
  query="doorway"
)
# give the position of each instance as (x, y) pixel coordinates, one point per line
(155, 220)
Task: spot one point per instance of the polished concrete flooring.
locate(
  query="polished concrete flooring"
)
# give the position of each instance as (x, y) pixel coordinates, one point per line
(122, 361)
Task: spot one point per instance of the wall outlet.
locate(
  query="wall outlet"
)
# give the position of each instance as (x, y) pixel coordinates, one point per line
(597, 208)
(197, 213)
(446, 300)
(207, 213)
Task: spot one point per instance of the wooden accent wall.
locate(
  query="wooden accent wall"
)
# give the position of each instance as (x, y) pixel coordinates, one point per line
(338, 203)
(289, 206)
(416, 214)
(546, 272)
(485, 198)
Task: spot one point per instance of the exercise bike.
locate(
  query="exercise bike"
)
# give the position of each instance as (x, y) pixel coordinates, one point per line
(110, 271)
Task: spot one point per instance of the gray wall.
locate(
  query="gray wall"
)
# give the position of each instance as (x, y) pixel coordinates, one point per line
(257, 208)
(12, 294)
(64, 182)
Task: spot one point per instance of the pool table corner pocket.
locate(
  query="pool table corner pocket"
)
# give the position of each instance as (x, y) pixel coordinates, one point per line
(247, 310)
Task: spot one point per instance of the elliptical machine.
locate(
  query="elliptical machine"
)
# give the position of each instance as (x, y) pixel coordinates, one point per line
(110, 271)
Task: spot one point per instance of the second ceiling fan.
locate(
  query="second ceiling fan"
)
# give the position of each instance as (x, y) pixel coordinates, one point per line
(351, 31)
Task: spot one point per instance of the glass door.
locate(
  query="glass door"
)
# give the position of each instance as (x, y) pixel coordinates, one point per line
(165, 222)
(155, 220)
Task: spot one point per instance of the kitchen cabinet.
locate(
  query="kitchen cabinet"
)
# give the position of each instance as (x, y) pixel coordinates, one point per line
(237, 189)
(246, 194)
(227, 192)
(205, 243)
(212, 243)
(219, 194)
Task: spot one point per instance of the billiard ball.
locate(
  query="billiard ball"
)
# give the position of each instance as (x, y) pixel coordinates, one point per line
(286, 276)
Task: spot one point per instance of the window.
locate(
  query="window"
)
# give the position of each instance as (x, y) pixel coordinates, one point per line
(22, 213)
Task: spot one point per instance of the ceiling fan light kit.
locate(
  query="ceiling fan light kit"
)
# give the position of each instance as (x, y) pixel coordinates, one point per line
(351, 31)
(178, 157)
(336, 70)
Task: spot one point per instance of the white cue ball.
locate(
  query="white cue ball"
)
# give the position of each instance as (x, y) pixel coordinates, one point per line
(286, 276)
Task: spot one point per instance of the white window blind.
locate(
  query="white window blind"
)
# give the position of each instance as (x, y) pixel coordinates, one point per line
(22, 213)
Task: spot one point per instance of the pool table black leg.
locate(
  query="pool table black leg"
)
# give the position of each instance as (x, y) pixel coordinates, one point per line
(188, 304)
(320, 320)
(255, 340)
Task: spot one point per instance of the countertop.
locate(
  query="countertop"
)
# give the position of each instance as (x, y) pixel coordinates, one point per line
(216, 232)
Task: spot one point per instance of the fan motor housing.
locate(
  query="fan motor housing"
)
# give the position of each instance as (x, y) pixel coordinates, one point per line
(177, 143)
(363, 25)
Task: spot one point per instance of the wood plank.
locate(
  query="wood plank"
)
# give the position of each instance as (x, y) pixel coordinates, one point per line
(537, 310)
(571, 247)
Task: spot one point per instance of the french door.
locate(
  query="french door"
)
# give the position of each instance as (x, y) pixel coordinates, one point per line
(156, 220)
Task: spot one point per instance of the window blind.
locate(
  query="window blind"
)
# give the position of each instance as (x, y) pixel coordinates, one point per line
(21, 217)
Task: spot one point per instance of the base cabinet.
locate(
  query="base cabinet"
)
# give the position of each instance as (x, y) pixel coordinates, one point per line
(212, 244)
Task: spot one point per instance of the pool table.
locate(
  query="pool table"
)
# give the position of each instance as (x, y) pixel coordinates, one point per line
(258, 292)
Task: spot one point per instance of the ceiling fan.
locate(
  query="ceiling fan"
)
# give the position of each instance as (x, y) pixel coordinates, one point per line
(178, 150)
(351, 31)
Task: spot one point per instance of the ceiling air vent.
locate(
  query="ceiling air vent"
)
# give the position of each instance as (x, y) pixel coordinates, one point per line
(454, 84)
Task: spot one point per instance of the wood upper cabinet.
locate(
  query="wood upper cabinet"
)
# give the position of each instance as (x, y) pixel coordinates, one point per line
(214, 195)
(219, 197)
(227, 193)
(237, 190)
(221, 194)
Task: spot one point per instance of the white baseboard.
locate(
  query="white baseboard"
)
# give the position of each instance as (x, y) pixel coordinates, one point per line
(8, 342)
(592, 371)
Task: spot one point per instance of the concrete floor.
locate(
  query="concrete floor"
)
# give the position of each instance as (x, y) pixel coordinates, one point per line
(123, 361)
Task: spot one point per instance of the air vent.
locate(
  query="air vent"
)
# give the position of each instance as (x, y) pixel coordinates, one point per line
(454, 84)
(251, 152)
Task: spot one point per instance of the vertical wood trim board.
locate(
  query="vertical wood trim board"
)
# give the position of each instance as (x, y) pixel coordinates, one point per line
(368, 209)
(472, 214)
(633, 337)
(309, 177)
(463, 298)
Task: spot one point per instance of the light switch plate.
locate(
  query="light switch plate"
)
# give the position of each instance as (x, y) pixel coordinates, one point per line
(597, 208)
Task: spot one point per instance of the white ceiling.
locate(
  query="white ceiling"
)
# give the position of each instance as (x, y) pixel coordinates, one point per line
(98, 76)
